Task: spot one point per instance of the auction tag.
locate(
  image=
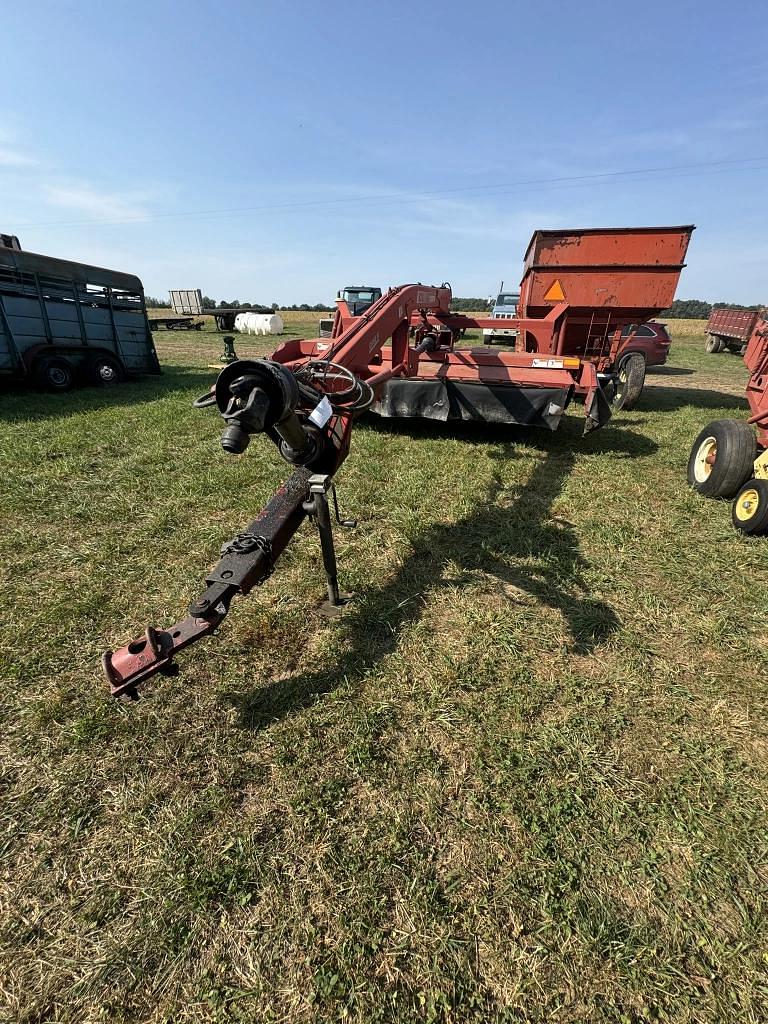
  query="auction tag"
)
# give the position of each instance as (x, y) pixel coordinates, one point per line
(322, 412)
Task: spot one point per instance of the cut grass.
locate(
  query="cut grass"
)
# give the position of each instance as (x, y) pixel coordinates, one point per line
(523, 779)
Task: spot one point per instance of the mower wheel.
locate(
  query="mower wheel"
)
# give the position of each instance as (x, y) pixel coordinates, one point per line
(54, 373)
(722, 458)
(629, 383)
(749, 512)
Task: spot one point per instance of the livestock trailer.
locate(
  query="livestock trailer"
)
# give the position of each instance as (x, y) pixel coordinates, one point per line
(730, 329)
(62, 321)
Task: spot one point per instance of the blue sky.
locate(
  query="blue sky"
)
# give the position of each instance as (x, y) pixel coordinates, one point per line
(277, 151)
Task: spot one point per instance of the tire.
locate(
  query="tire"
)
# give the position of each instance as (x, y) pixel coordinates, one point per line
(629, 382)
(54, 373)
(104, 371)
(749, 512)
(722, 458)
(712, 344)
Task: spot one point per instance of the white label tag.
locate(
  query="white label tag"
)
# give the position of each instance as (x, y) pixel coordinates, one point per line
(322, 412)
(547, 364)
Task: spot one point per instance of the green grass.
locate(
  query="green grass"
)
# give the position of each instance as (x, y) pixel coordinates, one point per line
(522, 779)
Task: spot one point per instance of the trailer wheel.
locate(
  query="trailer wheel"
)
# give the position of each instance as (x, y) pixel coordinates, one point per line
(722, 458)
(629, 382)
(749, 512)
(105, 371)
(712, 344)
(54, 373)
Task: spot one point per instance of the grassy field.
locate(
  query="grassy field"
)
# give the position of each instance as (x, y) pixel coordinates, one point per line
(522, 779)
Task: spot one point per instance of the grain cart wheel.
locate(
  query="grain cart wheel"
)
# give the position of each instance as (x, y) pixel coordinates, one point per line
(722, 458)
(104, 371)
(749, 512)
(54, 373)
(712, 344)
(629, 383)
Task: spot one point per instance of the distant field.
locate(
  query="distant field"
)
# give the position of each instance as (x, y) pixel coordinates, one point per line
(522, 779)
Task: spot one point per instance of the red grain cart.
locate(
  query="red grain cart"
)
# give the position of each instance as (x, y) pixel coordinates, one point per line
(730, 329)
(612, 281)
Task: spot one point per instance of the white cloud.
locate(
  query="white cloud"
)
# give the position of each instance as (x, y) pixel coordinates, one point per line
(14, 158)
(103, 206)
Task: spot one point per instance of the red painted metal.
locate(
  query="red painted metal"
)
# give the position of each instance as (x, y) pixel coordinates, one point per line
(756, 358)
(608, 277)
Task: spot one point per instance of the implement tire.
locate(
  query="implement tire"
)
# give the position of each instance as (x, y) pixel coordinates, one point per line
(712, 344)
(722, 458)
(629, 382)
(749, 512)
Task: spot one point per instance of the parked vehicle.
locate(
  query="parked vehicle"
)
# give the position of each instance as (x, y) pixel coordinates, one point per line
(650, 340)
(359, 298)
(730, 329)
(504, 308)
(63, 322)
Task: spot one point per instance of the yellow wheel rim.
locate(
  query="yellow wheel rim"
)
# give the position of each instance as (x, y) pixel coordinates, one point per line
(747, 504)
(705, 459)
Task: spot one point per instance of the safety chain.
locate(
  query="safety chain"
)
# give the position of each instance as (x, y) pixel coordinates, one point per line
(244, 544)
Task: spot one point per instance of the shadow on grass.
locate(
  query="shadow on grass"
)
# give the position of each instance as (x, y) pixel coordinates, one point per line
(510, 536)
(18, 403)
(660, 398)
(669, 371)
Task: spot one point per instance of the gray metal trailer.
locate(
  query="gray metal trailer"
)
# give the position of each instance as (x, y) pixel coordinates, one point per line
(63, 322)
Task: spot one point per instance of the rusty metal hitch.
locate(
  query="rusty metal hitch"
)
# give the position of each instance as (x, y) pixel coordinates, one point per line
(130, 666)
(246, 562)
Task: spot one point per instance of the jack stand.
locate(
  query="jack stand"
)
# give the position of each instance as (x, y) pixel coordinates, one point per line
(228, 355)
(317, 507)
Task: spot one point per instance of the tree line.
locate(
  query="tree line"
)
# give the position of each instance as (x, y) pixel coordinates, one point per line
(457, 305)
(684, 309)
(698, 309)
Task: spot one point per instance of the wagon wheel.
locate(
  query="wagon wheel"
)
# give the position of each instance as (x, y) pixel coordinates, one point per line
(722, 458)
(630, 381)
(749, 512)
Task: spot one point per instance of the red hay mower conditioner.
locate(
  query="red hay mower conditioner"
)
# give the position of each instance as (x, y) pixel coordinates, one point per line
(729, 458)
(399, 357)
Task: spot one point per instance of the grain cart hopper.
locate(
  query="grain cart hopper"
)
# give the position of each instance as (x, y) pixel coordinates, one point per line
(611, 279)
(729, 458)
(398, 357)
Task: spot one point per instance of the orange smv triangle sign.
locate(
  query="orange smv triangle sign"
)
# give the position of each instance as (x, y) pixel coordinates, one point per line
(555, 293)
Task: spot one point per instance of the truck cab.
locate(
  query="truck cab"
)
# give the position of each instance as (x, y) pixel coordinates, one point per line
(359, 298)
(504, 308)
